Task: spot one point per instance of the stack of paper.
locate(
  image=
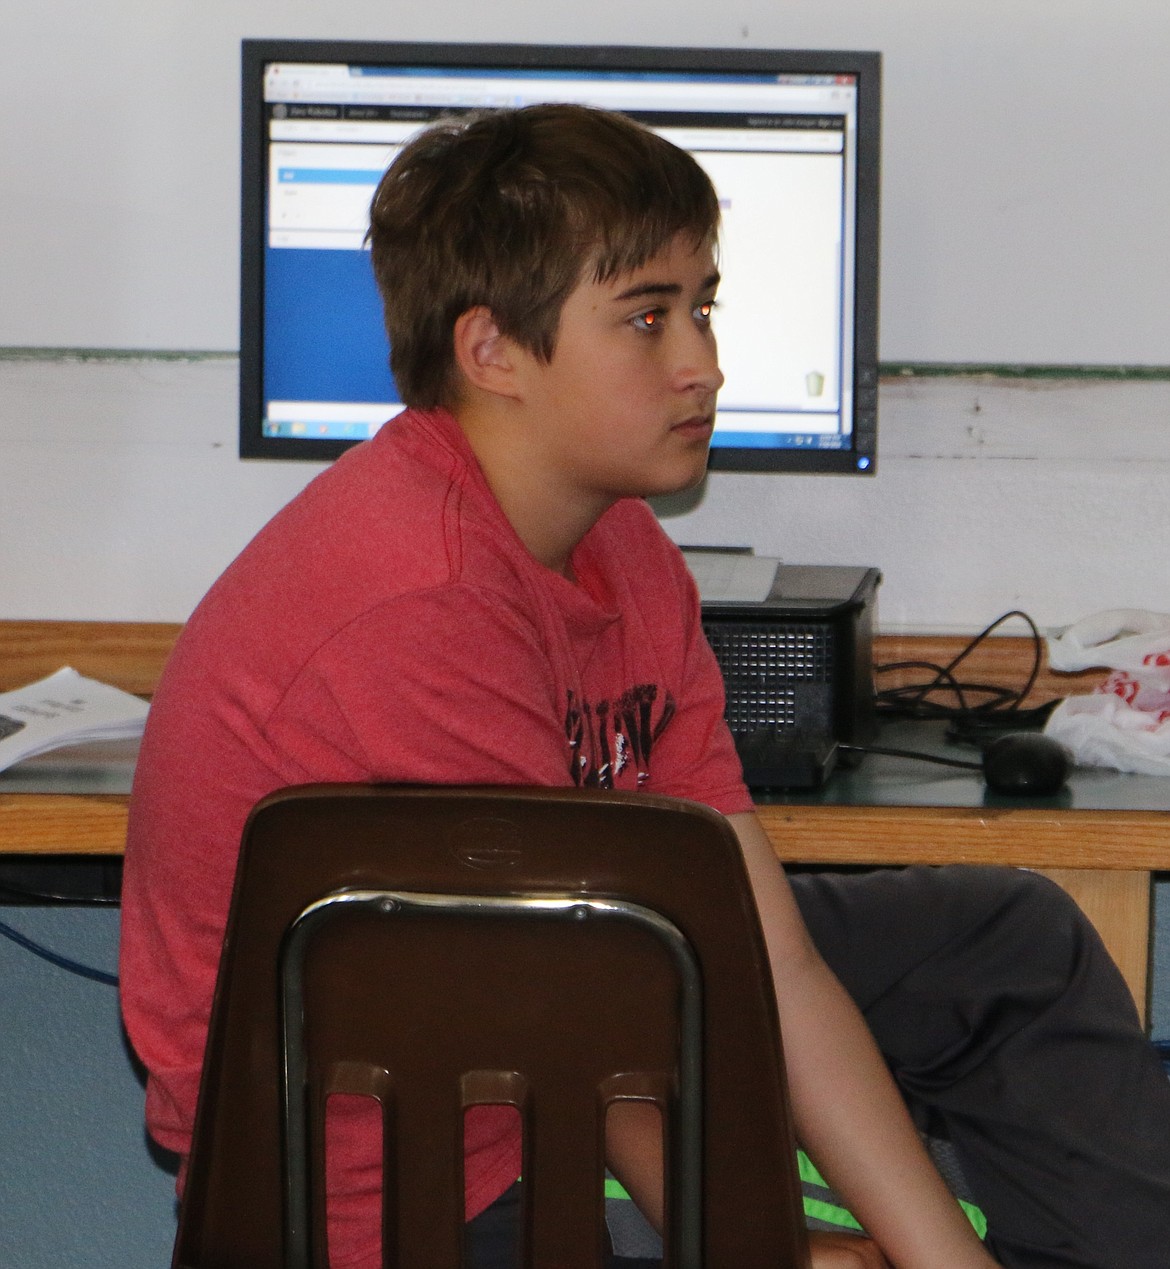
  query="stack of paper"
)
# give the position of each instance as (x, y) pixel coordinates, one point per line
(65, 709)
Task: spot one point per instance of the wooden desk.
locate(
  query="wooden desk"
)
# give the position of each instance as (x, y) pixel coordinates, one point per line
(57, 811)
(68, 802)
(62, 824)
(1102, 842)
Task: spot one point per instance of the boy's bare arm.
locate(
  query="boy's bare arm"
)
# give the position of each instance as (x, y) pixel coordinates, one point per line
(848, 1113)
(634, 1152)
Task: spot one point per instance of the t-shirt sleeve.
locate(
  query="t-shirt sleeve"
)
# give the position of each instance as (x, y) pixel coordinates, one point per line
(441, 687)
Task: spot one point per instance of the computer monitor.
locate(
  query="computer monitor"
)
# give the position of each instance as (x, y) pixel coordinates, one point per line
(790, 140)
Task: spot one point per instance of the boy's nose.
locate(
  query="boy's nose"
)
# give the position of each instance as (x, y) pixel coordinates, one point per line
(702, 367)
(706, 372)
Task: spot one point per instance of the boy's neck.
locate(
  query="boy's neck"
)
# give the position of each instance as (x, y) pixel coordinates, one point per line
(549, 519)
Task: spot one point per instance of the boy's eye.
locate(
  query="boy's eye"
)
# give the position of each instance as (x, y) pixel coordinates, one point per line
(651, 319)
(705, 311)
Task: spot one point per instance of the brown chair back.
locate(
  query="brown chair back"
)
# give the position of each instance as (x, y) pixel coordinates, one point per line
(438, 948)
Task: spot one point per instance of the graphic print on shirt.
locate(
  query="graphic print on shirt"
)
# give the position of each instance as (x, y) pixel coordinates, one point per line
(606, 737)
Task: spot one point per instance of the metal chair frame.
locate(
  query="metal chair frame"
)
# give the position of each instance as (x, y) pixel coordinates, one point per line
(400, 904)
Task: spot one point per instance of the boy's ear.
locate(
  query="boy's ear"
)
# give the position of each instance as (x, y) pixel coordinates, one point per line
(486, 358)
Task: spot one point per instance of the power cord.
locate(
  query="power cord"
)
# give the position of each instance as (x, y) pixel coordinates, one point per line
(55, 958)
(862, 750)
(24, 894)
(975, 711)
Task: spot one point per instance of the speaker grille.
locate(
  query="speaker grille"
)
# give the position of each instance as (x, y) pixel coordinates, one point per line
(775, 674)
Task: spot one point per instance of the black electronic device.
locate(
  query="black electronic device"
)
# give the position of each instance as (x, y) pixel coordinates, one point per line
(797, 662)
(790, 139)
(1026, 764)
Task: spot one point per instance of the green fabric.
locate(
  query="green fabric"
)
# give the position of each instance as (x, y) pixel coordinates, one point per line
(833, 1214)
(821, 1209)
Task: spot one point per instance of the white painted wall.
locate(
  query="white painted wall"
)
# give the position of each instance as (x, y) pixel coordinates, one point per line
(1026, 177)
(1026, 158)
(123, 497)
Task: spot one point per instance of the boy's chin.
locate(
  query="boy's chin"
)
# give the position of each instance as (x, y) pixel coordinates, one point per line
(682, 489)
(662, 479)
(689, 477)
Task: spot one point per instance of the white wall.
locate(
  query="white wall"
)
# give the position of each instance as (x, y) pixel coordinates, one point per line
(127, 499)
(1027, 158)
(1026, 177)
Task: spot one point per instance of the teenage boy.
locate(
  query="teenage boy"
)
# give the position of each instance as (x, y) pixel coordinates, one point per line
(480, 595)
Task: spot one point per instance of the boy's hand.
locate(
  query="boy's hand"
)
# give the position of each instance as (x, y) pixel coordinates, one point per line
(844, 1251)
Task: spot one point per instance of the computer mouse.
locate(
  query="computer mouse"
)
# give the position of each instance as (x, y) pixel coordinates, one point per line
(1026, 764)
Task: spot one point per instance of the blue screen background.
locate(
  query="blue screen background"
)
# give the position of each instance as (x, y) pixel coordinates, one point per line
(323, 334)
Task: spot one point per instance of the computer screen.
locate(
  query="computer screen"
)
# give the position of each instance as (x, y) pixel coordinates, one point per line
(790, 140)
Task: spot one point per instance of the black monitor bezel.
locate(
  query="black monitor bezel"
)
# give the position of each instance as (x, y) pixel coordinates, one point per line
(859, 459)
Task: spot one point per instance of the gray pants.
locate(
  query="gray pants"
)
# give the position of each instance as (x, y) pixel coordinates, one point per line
(1009, 1029)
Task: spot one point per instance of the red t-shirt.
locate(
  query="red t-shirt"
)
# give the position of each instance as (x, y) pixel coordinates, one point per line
(388, 625)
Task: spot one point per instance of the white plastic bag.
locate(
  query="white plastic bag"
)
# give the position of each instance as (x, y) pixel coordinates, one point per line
(1125, 722)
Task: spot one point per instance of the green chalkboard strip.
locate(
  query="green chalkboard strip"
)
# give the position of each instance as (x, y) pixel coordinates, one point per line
(888, 369)
(966, 370)
(114, 354)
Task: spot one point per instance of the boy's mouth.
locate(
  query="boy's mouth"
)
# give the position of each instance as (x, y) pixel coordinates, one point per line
(698, 425)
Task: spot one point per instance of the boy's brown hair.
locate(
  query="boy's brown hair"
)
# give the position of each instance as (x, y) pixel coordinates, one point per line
(511, 209)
